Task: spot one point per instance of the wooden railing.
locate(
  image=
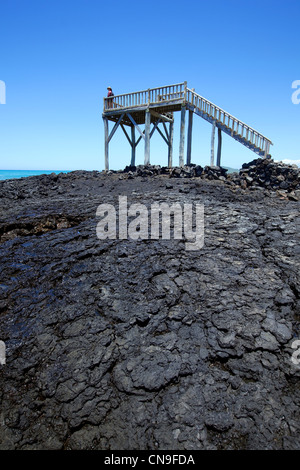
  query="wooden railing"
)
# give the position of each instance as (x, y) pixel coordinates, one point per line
(167, 93)
(145, 97)
(234, 125)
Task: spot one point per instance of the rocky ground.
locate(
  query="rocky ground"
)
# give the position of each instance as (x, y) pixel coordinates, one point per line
(141, 344)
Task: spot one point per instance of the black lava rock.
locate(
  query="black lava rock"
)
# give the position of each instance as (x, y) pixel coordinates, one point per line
(142, 344)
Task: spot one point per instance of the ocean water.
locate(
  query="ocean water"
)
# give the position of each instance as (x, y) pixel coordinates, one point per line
(11, 174)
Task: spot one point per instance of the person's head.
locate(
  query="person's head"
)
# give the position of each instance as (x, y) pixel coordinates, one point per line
(109, 88)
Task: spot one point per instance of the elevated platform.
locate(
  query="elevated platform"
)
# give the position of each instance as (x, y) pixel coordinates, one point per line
(157, 105)
(163, 100)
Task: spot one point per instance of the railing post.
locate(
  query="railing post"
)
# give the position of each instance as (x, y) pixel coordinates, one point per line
(185, 90)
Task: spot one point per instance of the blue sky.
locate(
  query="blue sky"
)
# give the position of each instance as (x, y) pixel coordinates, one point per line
(58, 57)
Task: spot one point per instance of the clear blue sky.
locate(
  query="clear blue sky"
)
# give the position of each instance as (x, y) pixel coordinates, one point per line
(58, 57)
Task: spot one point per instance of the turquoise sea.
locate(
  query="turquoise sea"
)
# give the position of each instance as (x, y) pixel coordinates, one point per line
(11, 174)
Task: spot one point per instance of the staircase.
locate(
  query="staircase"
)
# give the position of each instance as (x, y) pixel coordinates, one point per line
(232, 126)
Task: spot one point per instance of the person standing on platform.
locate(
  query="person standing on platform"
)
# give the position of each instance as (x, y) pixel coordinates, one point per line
(110, 95)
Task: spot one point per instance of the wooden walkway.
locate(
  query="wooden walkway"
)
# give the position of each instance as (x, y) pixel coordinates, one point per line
(157, 106)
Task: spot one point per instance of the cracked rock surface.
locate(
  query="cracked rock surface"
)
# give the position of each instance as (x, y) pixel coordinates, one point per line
(141, 344)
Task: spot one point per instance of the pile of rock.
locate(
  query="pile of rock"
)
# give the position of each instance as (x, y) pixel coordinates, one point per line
(208, 172)
(260, 173)
(143, 170)
(270, 175)
(215, 173)
(186, 171)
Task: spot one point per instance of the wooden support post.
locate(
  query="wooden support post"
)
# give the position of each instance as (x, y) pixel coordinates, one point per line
(189, 141)
(212, 154)
(147, 137)
(133, 146)
(267, 149)
(219, 147)
(182, 136)
(106, 141)
(170, 149)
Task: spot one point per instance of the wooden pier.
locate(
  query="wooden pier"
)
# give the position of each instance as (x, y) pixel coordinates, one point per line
(157, 106)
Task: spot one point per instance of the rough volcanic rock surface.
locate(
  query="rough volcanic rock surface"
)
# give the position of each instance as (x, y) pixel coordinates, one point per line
(271, 175)
(141, 344)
